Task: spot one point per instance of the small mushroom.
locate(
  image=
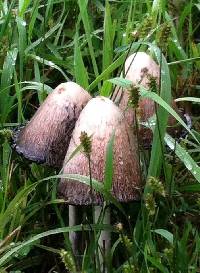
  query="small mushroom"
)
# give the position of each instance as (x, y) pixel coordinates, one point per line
(138, 68)
(46, 137)
(99, 119)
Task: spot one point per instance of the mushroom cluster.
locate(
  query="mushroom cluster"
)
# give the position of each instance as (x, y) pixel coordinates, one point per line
(54, 132)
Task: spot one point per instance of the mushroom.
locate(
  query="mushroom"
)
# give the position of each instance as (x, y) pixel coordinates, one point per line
(99, 119)
(138, 68)
(46, 137)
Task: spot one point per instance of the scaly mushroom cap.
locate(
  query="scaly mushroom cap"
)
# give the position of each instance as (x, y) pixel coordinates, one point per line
(46, 137)
(137, 68)
(99, 119)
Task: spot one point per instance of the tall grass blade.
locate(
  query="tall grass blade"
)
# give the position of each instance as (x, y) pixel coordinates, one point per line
(86, 22)
(80, 71)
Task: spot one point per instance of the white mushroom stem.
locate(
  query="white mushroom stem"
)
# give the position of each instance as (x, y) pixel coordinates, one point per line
(104, 238)
(72, 222)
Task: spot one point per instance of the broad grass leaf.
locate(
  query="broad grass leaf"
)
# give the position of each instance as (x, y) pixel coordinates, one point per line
(166, 234)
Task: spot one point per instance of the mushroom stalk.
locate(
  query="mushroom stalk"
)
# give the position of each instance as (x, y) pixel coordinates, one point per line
(73, 236)
(104, 238)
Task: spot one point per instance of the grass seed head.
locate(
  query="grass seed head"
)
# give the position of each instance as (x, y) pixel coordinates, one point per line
(86, 143)
(68, 260)
(150, 204)
(134, 96)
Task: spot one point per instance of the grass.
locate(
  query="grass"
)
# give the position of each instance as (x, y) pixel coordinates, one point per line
(43, 43)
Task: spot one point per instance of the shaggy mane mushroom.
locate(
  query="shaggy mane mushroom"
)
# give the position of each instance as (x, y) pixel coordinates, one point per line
(138, 68)
(99, 119)
(46, 137)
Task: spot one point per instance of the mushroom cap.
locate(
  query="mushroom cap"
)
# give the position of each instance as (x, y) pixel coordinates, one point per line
(46, 137)
(99, 119)
(135, 67)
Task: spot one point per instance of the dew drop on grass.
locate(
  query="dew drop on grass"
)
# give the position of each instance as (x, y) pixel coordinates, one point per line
(170, 143)
(23, 23)
(187, 163)
(51, 63)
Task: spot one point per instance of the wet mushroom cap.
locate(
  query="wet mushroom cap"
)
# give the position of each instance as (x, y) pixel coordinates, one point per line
(99, 119)
(46, 137)
(138, 67)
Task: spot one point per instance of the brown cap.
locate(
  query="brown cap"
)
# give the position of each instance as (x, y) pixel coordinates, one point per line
(46, 137)
(99, 119)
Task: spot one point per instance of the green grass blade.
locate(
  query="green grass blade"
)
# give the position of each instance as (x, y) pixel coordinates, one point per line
(106, 72)
(23, 5)
(108, 38)
(80, 71)
(184, 156)
(162, 115)
(22, 43)
(48, 63)
(86, 22)
(168, 108)
(7, 74)
(41, 39)
(5, 258)
(191, 99)
(166, 234)
(34, 14)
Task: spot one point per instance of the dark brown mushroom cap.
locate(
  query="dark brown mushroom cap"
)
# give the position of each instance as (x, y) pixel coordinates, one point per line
(46, 137)
(99, 119)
